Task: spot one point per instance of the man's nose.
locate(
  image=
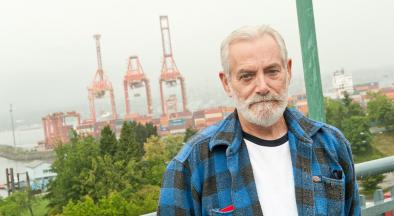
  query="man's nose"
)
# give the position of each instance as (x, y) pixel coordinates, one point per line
(261, 85)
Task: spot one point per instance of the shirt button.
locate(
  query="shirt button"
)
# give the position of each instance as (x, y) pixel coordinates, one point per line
(316, 179)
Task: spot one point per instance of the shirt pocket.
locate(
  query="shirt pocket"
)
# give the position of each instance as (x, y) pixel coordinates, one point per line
(329, 196)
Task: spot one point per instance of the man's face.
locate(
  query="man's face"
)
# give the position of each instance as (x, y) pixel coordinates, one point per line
(258, 80)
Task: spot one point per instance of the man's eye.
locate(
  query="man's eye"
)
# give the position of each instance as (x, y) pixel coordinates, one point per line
(246, 77)
(273, 71)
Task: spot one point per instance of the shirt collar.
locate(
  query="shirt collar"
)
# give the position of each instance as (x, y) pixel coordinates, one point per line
(229, 132)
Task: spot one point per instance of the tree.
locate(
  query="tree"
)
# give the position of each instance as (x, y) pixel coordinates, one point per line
(15, 204)
(129, 148)
(380, 109)
(72, 165)
(335, 112)
(108, 142)
(104, 176)
(356, 130)
(143, 132)
(350, 118)
(189, 133)
(84, 207)
(172, 146)
(370, 183)
(90, 181)
(113, 204)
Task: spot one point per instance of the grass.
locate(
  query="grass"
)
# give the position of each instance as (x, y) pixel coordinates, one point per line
(374, 154)
(384, 143)
(382, 146)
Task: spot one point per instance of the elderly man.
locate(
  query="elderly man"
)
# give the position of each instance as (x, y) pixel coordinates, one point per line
(264, 158)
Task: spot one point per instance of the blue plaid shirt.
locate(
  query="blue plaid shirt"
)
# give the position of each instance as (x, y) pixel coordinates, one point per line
(213, 171)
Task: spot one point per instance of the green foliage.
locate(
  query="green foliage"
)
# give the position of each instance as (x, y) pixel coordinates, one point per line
(144, 201)
(16, 204)
(189, 133)
(370, 184)
(356, 130)
(143, 132)
(129, 148)
(84, 207)
(113, 204)
(39, 207)
(350, 118)
(172, 144)
(380, 110)
(335, 112)
(108, 142)
(73, 165)
(110, 176)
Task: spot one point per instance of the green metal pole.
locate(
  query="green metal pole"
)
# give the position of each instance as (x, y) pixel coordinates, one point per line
(310, 58)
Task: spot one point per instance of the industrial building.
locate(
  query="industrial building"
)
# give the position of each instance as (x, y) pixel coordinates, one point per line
(172, 120)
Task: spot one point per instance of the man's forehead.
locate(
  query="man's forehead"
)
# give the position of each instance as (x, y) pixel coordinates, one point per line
(256, 50)
(263, 43)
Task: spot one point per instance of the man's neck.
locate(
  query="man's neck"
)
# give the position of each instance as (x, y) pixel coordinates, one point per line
(272, 132)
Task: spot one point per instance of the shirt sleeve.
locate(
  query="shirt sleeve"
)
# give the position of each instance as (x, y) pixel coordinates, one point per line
(352, 197)
(177, 194)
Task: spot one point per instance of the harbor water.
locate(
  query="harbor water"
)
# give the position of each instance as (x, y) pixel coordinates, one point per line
(25, 138)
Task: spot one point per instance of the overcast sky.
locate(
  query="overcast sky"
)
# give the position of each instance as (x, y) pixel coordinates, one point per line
(47, 52)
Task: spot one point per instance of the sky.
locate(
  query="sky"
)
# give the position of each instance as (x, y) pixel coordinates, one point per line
(48, 56)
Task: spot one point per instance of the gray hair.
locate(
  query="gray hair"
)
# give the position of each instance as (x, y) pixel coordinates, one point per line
(249, 33)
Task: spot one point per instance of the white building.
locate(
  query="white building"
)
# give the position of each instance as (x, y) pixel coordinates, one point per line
(342, 83)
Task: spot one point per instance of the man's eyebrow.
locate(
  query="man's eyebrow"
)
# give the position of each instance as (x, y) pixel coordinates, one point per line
(273, 65)
(245, 70)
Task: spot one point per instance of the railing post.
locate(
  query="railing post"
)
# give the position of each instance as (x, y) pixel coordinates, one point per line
(362, 201)
(378, 197)
(392, 197)
(310, 58)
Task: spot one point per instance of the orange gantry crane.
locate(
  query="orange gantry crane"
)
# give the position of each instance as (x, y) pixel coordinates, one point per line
(57, 129)
(100, 85)
(135, 78)
(169, 72)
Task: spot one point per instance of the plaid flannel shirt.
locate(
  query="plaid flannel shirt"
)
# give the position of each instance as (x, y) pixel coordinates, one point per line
(213, 171)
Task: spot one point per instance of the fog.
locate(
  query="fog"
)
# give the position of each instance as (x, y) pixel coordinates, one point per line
(47, 52)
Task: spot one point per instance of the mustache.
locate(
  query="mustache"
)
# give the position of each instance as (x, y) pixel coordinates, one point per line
(266, 98)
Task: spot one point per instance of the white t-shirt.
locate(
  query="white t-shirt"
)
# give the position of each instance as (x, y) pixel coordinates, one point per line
(273, 174)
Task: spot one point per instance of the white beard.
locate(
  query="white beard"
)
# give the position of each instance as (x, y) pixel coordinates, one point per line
(264, 113)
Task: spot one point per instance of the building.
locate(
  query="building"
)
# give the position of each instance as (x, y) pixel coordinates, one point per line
(206, 117)
(299, 102)
(389, 92)
(342, 83)
(361, 92)
(366, 87)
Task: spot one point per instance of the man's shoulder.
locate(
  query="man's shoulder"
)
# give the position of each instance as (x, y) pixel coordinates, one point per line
(333, 133)
(323, 134)
(331, 138)
(198, 143)
(313, 127)
(199, 146)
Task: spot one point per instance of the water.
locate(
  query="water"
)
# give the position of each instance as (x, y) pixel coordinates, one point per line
(25, 138)
(18, 166)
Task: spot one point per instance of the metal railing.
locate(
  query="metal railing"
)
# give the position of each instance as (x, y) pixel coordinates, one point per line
(365, 169)
(380, 205)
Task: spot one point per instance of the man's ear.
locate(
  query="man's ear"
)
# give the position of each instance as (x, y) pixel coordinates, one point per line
(225, 83)
(289, 67)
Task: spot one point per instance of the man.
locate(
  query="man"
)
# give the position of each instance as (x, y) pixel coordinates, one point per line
(264, 158)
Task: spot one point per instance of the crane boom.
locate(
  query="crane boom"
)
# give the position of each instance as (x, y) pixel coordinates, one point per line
(98, 49)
